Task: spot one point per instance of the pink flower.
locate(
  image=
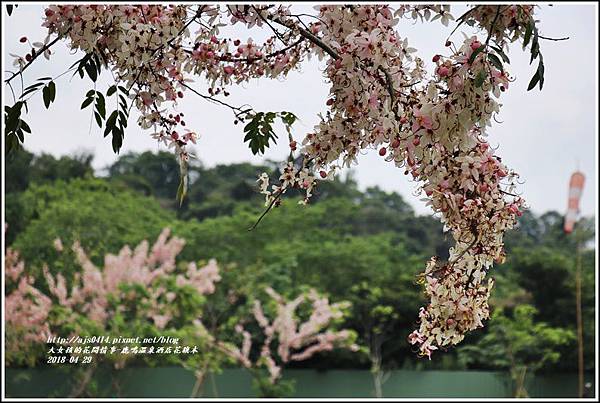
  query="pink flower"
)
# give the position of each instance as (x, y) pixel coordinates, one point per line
(443, 71)
(421, 121)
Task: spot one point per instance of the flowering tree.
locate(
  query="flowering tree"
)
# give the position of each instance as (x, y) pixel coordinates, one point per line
(287, 337)
(143, 267)
(137, 292)
(26, 310)
(432, 125)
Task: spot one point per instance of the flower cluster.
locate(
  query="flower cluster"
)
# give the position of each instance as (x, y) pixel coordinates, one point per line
(296, 340)
(435, 131)
(290, 178)
(432, 126)
(150, 49)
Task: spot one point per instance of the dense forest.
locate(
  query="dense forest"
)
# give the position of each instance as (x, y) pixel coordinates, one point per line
(366, 247)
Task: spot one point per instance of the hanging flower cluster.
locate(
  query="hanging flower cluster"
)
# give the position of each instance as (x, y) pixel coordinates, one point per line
(432, 126)
(295, 340)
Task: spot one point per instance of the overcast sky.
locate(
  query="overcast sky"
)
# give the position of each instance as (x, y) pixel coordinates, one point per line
(544, 135)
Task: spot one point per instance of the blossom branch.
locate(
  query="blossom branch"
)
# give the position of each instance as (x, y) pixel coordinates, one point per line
(35, 56)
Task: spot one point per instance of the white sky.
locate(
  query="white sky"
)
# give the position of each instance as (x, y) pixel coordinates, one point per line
(544, 136)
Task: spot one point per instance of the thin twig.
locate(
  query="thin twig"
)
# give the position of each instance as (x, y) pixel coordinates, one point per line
(308, 35)
(553, 39)
(269, 207)
(236, 109)
(276, 32)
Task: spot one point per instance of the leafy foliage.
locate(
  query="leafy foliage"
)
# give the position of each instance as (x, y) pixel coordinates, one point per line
(15, 127)
(365, 246)
(259, 131)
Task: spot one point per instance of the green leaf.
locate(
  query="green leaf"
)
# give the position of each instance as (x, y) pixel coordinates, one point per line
(27, 92)
(98, 119)
(19, 133)
(110, 123)
(81, 61)
(288, 118)
(122, 119)
(496, 61)
(52, 90)
(480, 78)
(123, 100)
(540, 72)
(528, 31)
(117, 139)
(475, 53)
(25, 126)
(97, 63)
(46, 96)
(535, 46)
(12, 116)
(111, 90)
(100, 104)
(534, 81)
(87, 102)
(181, 189)
(33, 86)
(90, 69)
(501, 53)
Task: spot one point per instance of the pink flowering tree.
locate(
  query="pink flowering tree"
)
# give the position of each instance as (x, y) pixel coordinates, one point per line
(26, 311)
(429, 122)
(280, 332)
(140, 292)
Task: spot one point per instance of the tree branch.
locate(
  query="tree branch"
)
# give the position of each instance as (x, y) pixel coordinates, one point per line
(553, 39)
(269, 207)
(236, 109)
(308, 35)
(35, 56)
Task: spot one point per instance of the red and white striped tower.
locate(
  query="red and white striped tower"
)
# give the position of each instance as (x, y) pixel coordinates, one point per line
(575, 191)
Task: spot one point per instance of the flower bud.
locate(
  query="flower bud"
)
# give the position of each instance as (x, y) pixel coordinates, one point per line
(443, 71)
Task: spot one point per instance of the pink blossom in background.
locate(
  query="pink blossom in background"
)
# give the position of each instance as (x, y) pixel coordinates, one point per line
(144, 266)
(26, 308)
(297, 340)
